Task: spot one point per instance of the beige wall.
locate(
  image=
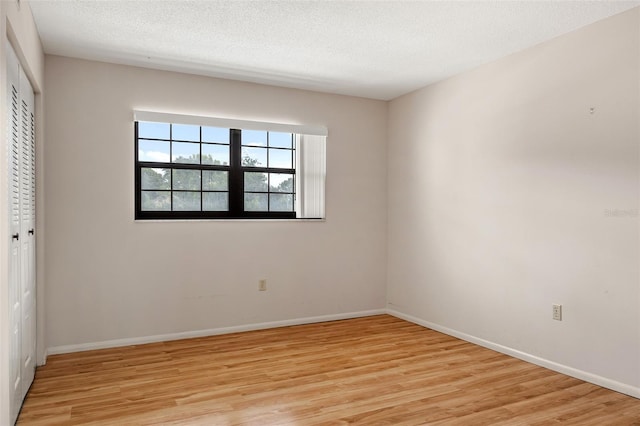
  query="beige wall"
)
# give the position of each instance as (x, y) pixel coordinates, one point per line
(17, 26)
(109, 277)
(501, 189)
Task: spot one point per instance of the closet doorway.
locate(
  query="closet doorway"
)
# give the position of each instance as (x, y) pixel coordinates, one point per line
(22, 211)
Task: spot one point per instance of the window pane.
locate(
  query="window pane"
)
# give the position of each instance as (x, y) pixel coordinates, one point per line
(280, 182)
(214, 180)
(215, 201)
(186, 179)
(255, 202)
(281, 202)
(153, 151)
(184, 132)
(155, 178)
(215, 134)
(254, 137)
(280, 140)
(215, 154)
(281, 158)
(255, 181)
(156, 200)
(186, 201)
(254, 157)
(147, 130)
(184, 152)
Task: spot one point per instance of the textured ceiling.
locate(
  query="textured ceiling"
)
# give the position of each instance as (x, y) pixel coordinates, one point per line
(373, 49)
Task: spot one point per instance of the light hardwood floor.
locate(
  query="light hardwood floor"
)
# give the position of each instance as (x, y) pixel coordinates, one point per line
(369, 371)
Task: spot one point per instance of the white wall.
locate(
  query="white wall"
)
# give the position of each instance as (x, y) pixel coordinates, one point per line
(109, 277)
(500, 180)
(17, 25)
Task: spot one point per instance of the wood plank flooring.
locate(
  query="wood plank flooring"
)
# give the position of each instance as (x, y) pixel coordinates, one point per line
(369, 371)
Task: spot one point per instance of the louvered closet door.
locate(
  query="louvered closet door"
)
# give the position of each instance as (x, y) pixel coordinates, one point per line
(21, 169)
(15, 297)
(27, 232)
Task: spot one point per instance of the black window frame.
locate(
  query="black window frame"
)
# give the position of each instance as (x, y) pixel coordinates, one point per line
(236, 192)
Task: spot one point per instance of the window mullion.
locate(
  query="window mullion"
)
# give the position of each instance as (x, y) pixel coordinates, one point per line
(236, 182)
(200, 169)
(171, 169)
(268, 174)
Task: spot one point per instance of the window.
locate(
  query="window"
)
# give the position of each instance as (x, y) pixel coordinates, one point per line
(217, 169)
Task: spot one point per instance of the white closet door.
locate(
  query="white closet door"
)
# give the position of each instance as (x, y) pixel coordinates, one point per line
(15, 297)
(21, 169)
(27, 232)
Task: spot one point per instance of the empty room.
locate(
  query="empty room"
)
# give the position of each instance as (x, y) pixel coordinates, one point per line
(285, 212)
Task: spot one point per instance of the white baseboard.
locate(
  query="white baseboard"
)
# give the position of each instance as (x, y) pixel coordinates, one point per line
(210, 332)
(560, 368)
(42, 360)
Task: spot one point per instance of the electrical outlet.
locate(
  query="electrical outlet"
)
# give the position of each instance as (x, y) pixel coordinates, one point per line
(262, 285)
(557, 312)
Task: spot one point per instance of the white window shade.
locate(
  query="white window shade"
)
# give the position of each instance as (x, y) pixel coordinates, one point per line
(310, 176)
(161, 117)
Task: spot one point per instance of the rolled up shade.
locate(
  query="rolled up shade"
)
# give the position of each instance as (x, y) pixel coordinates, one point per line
(161, 117)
